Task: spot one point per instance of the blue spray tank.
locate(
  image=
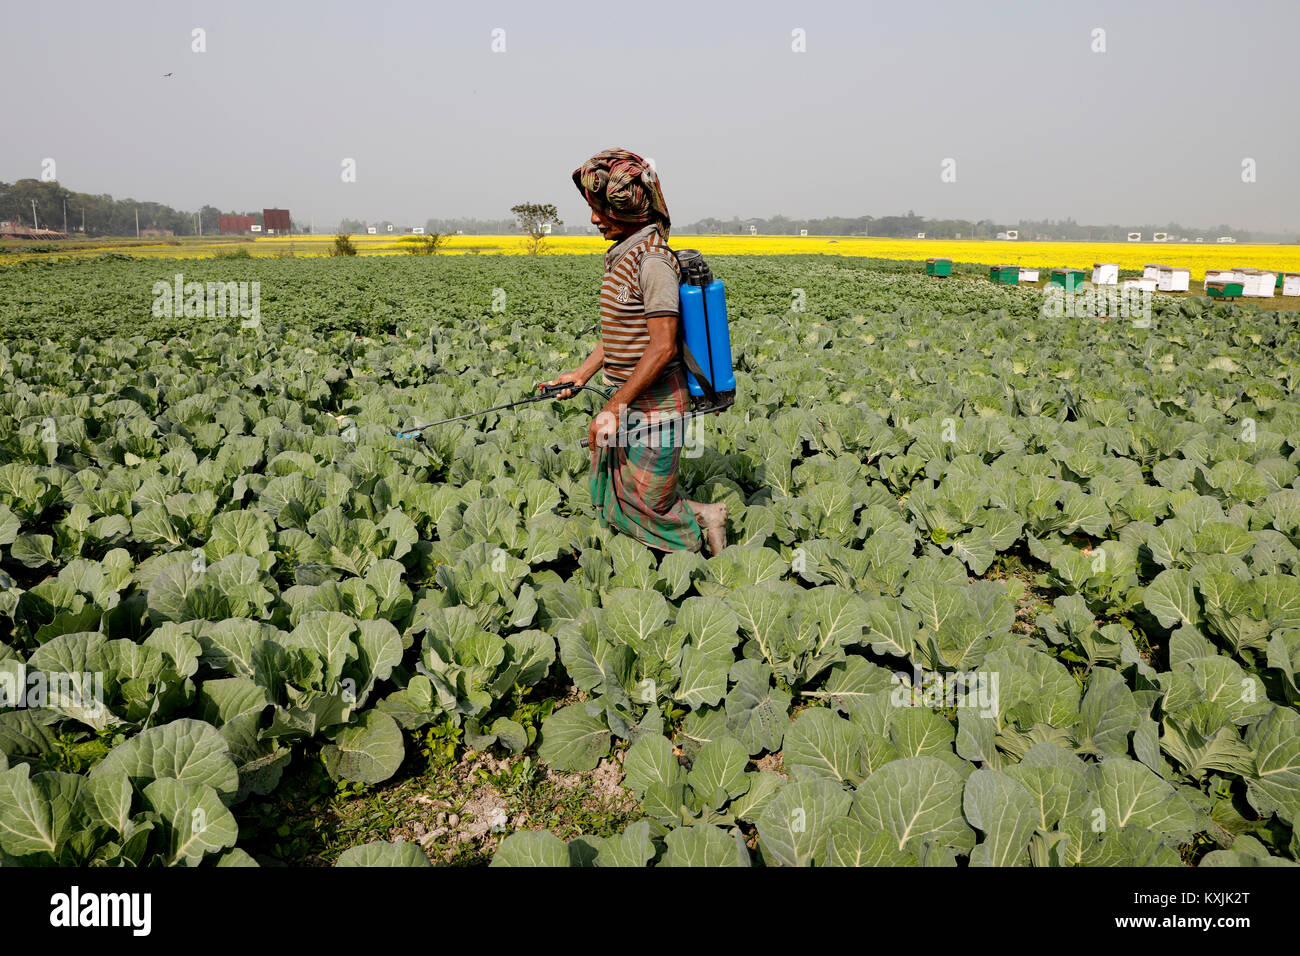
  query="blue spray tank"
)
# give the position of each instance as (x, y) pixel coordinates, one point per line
(710, 376)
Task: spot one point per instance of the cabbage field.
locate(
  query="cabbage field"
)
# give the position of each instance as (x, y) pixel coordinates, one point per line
(1003, 588)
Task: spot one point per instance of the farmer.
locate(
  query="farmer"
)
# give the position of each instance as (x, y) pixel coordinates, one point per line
(634, 483)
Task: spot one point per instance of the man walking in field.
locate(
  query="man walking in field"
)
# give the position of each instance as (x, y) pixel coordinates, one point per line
(634, 484)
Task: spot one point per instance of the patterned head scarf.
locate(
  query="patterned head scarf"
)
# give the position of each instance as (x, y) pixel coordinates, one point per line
(622, 186)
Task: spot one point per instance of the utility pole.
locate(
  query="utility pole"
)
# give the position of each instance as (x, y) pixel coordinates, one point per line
(35, 224)
(65, 213)
(83, 219)
(137, 222)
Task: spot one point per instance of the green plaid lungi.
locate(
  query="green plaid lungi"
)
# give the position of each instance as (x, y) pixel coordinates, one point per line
(634, 483)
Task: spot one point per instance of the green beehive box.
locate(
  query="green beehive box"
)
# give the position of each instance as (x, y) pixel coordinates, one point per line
(1223, 290)
(1067, 279)
(1005, 275)
(1278, 284)
(938, 267)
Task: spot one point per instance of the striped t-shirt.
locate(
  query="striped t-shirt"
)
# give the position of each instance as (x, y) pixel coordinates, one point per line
(641, 280)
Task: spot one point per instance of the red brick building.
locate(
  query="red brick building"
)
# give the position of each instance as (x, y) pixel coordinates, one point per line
(275, 220)
(236, 223)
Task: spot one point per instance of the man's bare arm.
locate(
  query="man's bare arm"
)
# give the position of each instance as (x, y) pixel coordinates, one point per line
(583, 373)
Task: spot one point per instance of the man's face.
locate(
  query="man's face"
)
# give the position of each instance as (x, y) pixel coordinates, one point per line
(608, 227)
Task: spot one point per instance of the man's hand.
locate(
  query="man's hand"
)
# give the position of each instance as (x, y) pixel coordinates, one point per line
(601, 431)
(569, 378)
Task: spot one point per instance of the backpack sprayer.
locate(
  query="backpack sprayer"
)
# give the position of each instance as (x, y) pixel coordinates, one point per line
(703, 339)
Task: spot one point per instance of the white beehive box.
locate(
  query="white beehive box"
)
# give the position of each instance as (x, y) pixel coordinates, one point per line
(1105, 273)
(1151, 272)
(1173, 279)
(1221, 275)
(1028, 275)
(1259, 284)
(1291, 283)
(1143, 283)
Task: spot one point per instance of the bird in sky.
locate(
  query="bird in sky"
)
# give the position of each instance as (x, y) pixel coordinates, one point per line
(166, 75)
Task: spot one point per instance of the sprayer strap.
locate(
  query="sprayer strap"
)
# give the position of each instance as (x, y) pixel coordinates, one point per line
(700, 376)
(688, 359)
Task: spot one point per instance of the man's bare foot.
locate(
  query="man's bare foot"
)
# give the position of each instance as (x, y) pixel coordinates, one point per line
(713, 522)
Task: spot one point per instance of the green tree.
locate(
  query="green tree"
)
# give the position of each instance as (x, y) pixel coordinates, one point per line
(533, 219)
(210, 217)
(426, 245)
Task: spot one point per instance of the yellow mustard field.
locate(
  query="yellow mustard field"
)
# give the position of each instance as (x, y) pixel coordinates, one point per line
(1078, 255)
(1045, 255)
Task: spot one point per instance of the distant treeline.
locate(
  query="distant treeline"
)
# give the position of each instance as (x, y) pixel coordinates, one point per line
(471, 227)
(106, 216)
(909, 225)
(103, 215)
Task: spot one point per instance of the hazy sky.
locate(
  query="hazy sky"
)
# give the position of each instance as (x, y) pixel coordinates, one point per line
(1153, 129)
